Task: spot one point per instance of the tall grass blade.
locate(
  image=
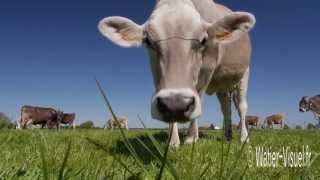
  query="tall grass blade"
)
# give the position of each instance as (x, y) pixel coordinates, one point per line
(158, 147)
(44, 169)
(148, 149)
(165, 157)
(239, 154)
(191, 172)
(244, 172)
(126, 141)
(205, 170)
(64, 162)
(226, 160)
(153, 140)
(114, 156)
(221, 162)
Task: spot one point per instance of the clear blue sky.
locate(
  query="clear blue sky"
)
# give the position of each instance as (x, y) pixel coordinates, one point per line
(50, 50)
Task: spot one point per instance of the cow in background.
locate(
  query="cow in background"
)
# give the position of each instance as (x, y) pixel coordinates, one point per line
(278, 119)
(311, 104)
(121, 122)
(250, 121)
(43, 116)
(214, 127)
(69, 119)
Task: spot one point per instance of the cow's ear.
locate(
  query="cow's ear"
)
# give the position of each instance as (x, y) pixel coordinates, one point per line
(231, 27)
(121, 31)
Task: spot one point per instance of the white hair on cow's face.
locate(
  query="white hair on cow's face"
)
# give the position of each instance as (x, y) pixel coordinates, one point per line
(167, 15)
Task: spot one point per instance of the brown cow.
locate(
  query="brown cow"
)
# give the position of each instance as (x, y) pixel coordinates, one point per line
(250, 121)
(69, 118)
(39, 115)
(275, 119)
(121, 123)
(311, 104)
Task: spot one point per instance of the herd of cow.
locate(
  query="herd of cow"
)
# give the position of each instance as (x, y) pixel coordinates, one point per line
(51, 118)
(306, 104)
(268, 122)
(46, 117)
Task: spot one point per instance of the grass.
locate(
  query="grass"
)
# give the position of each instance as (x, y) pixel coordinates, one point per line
(145, 154)
(68, 154)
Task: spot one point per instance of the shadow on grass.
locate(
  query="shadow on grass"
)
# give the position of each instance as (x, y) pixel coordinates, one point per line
(161, 137)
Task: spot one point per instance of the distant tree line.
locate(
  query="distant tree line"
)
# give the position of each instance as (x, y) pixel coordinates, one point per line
(86, 125)
(5, 122)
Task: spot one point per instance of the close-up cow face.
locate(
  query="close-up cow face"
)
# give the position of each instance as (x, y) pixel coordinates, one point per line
(184, 51)
(304, 104)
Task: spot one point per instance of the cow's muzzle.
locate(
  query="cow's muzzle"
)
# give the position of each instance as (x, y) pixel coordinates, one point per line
(176, 105)
(302, 110)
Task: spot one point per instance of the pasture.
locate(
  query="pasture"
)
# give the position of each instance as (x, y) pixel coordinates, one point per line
(100, 154)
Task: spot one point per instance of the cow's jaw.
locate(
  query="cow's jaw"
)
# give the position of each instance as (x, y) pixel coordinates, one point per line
(184, 105)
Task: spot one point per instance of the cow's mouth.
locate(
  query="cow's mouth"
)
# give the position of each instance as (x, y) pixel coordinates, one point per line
(302, 110)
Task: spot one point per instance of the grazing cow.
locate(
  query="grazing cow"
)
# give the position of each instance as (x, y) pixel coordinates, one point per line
(252, 121)
(69, 118)
(121, 122)
(275, 119)
(311, 104)
(214, 127)
(195, 47)
(39, 116)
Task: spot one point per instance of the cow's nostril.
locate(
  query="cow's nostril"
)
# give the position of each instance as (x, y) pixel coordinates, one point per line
(162, 105)
(192, 104)
(175, 105)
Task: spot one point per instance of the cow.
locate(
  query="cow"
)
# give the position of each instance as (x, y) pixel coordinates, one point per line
(43, 116)
(214, 127)
(275, 119)
(121, 122)
(195, 48)
(69, 119)
(311, 104)
(252, 121)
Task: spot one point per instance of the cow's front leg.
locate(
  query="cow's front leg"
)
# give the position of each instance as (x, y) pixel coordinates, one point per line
(193, 133)
(225, 102)
(175, 140)
(74, 125)
(242, 106)
(317, 118)
(58, 126)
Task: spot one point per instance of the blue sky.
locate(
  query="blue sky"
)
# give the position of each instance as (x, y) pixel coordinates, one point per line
(50, 51)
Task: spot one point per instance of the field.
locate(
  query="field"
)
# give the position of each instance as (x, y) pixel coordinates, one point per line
(99, 154)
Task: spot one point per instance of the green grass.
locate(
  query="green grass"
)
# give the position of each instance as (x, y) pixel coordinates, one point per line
(145, 154)
(99, 154)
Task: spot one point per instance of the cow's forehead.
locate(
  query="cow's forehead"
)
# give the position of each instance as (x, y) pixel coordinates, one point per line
(171, 20)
